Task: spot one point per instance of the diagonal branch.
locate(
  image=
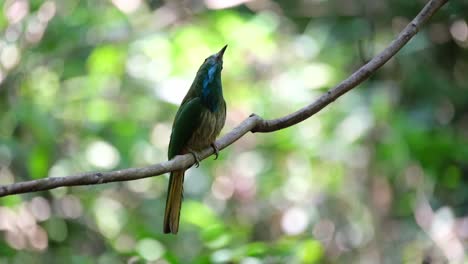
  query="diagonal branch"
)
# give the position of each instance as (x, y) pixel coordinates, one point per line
(254, 123)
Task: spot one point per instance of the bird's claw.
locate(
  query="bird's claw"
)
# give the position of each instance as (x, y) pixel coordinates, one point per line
(195, 156)
(216, 150)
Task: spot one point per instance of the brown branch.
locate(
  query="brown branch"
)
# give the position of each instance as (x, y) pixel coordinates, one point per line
(254, 123)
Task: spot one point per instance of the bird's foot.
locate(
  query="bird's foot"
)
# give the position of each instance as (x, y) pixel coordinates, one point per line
(195, 156)
(216, 150)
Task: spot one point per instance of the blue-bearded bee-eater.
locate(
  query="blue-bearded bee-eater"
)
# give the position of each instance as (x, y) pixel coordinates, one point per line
(198, 122)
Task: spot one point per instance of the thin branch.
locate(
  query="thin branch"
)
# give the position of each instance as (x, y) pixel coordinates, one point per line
(253, 124)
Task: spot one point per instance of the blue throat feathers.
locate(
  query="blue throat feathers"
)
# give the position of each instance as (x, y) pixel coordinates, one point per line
(211, 93)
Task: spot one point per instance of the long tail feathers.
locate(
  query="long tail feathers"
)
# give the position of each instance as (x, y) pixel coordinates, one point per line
(174, 202)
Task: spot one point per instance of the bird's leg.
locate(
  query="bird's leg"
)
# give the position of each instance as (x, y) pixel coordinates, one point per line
(216, 150)
(195, 156)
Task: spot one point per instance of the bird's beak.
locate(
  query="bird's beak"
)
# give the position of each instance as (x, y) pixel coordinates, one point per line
(219, 55)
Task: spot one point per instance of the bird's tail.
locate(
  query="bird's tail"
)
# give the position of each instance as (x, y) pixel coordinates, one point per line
(174, 201)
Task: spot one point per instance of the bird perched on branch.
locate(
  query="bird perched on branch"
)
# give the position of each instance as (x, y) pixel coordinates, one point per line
(198, 121)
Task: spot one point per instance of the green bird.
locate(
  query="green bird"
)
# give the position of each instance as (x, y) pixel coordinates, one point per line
(200, 118)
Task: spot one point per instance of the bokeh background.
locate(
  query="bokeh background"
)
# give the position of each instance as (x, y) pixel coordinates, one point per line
(379, 176)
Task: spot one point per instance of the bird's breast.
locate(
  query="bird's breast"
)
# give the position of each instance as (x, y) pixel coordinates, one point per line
(210, 126)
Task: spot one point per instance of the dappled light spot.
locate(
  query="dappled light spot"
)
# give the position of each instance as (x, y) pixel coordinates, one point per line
(423, 214)
(110, 216)
(288, 87)
(35, 30)
(47, 11)
(251, 163)
(160, 135)
(70, 207)
(258, 30)
(10, 56)
(312, 133)
(459, 30)
(245, 187)
(25, 219)
(16, 10)
(298, 183)
(297, 187)
(306, 46)
(45, 85)
(173, 90)
(355, 234)
(40, 208)
(222, 256)
(294, 221)
(442, 222)
(59, 192)
(15, 239)
(136, 65)
(196, 182)
(13, 33)
(60, 169)
(355, 125)
(150, 59)
(7, 219)
(38, 239)
(144, 153)
(442, 232)
(150, 249)
(221, 4)
(251, 260)
(246, 168)
(102, 155)
(317, 75)
(222, 188)
(127, 6)
(139, 186)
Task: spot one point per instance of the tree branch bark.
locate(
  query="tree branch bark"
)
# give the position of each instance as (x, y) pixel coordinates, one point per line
(253, 124)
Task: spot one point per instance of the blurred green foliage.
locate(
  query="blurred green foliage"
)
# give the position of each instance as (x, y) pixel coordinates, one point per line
(379, 176)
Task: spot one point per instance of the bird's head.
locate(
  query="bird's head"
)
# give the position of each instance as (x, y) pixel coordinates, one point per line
(210, 70)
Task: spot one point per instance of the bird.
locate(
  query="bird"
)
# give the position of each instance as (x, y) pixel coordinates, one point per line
(197, 123)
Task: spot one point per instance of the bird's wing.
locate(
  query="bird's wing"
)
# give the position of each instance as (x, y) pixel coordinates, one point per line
(186, 122)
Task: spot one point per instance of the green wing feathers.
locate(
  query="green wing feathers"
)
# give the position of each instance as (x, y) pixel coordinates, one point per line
(186, 122)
